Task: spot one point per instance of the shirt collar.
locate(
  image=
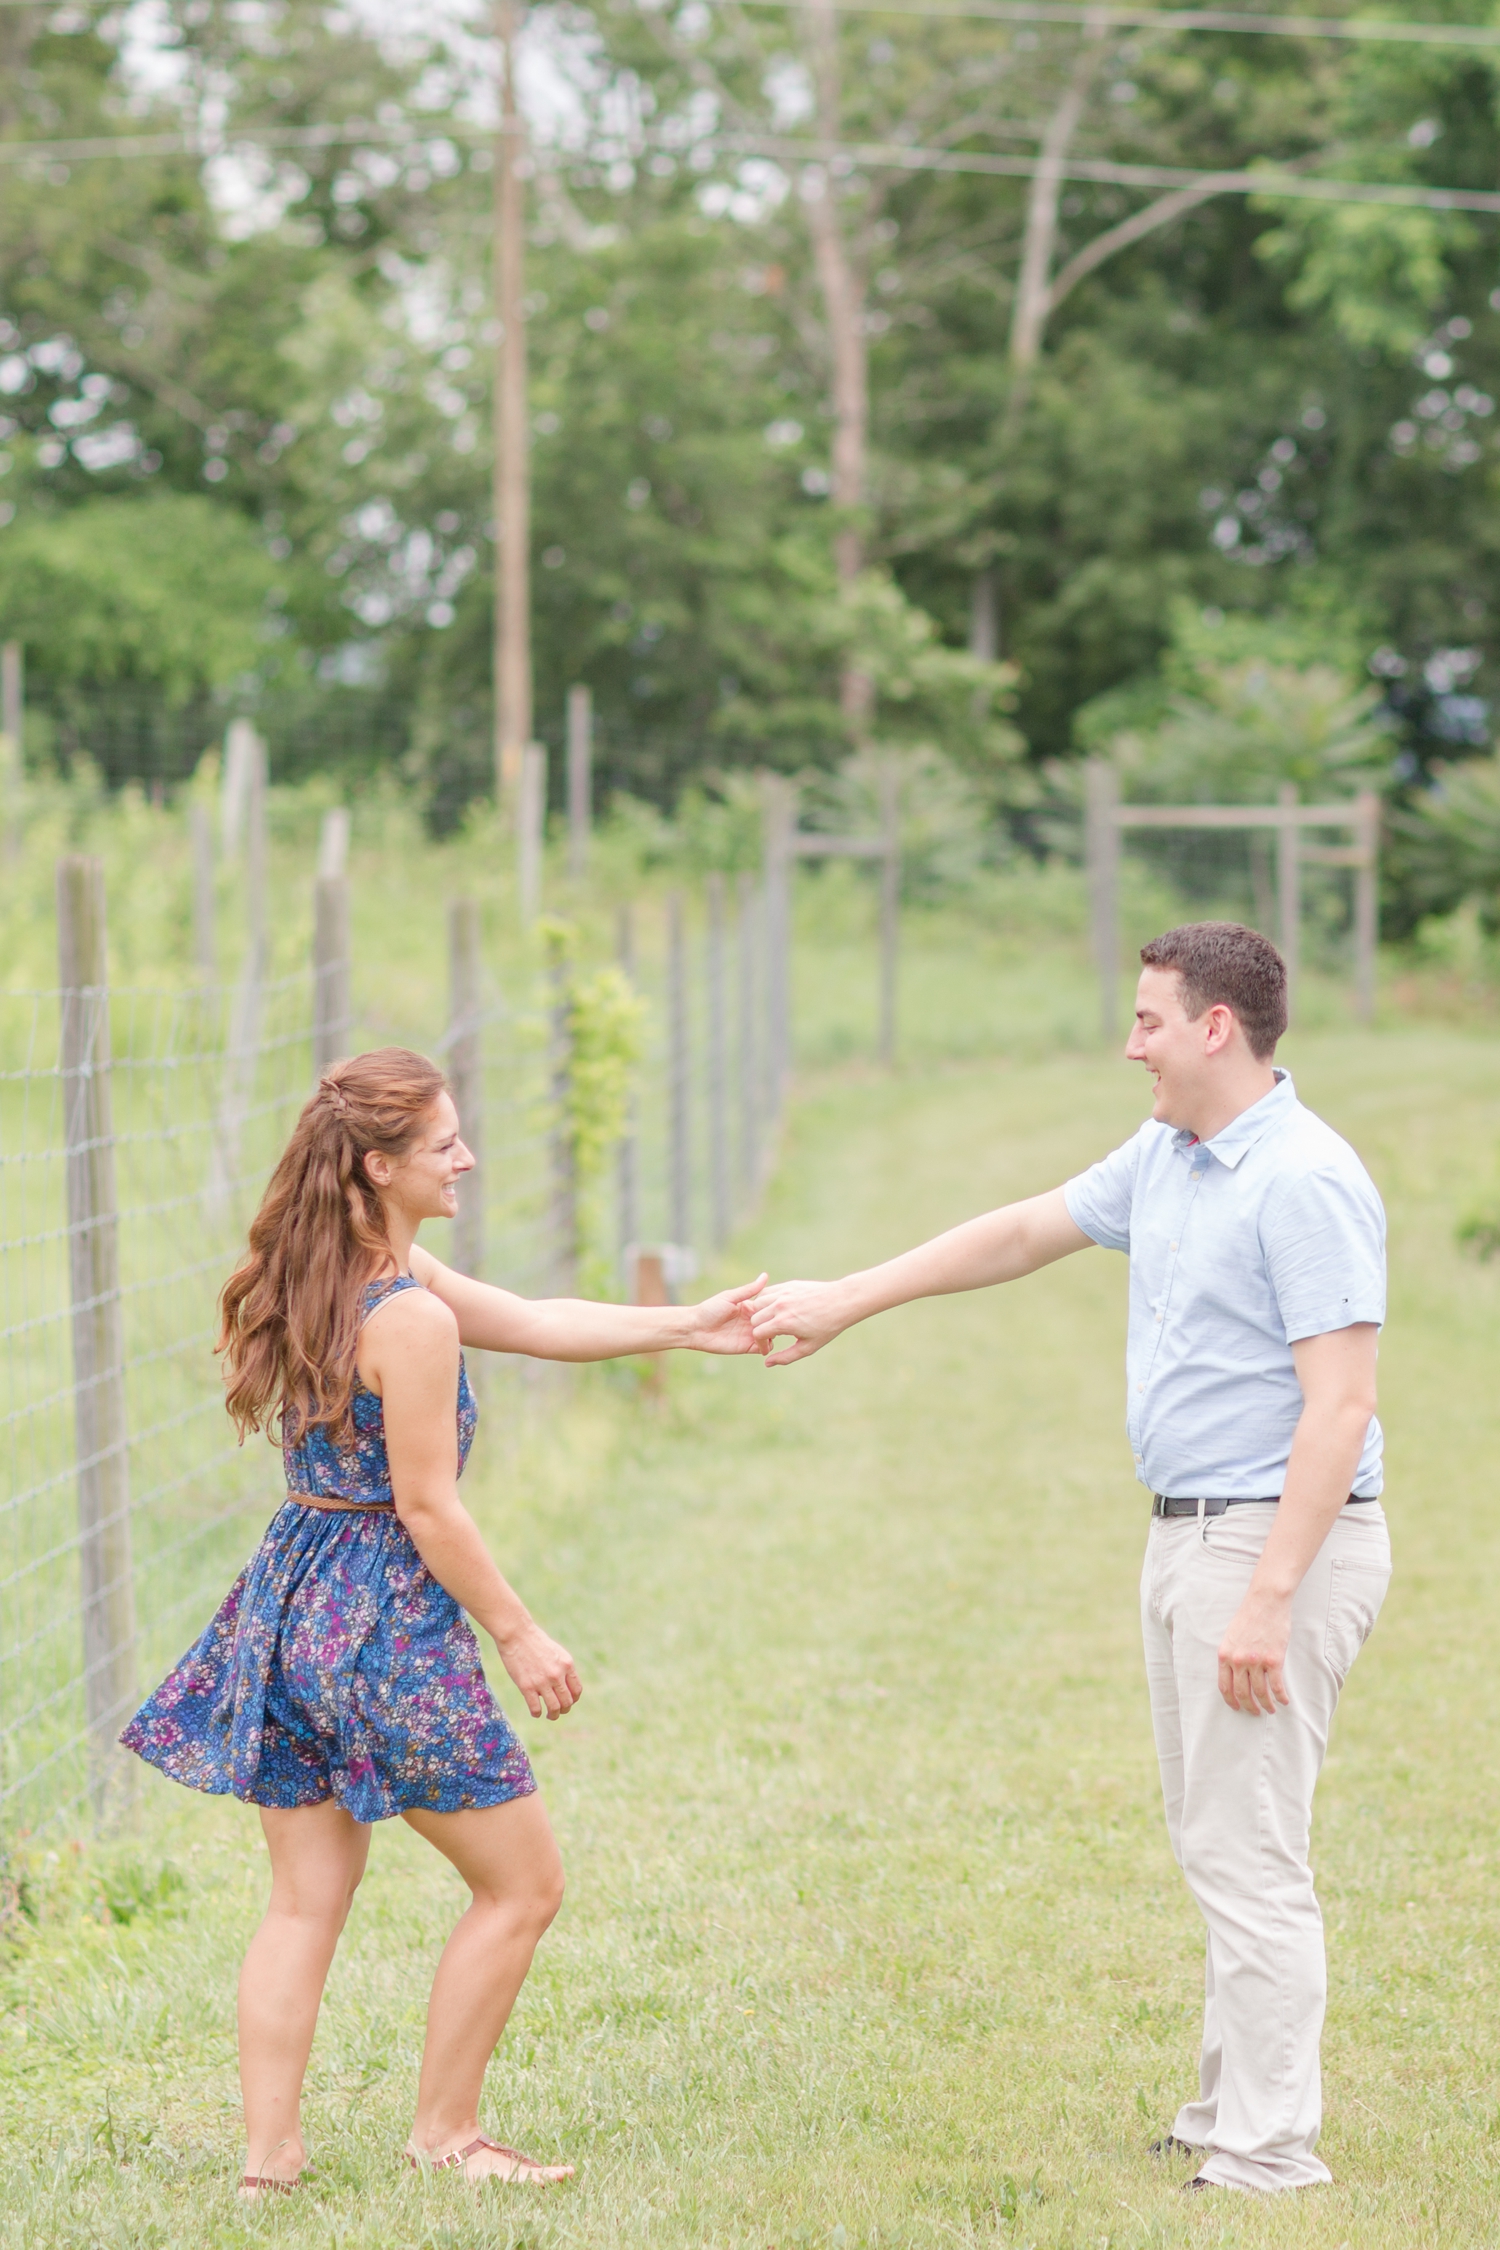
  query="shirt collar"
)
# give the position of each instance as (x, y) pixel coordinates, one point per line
(1241, 1133)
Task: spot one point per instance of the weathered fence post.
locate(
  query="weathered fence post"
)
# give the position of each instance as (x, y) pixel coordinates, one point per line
(12, 741)
(564, 1150)
(331, 1003)
(531, 831)
(780, 820)
(679, 1082)
(201, 841)
(466, 1076)
(749, 1071)
(1366, 901)
(333, 841)
(100, 1433)
(580, 779)
(627, 1158)
(243, 806)
(1289, 889)
(717, 996)
(1102, 855)
(890, 903)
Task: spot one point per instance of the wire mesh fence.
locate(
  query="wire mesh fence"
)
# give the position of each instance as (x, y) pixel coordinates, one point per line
(137, 1130)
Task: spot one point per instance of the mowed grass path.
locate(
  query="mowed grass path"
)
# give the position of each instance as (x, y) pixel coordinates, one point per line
(873, 1936)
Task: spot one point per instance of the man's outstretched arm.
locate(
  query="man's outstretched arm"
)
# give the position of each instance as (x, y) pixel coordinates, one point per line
(1000, 1246)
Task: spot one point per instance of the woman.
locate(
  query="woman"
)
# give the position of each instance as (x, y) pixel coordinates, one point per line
(340, 1682)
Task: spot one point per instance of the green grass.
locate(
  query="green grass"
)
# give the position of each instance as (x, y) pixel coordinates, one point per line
(873, 1936)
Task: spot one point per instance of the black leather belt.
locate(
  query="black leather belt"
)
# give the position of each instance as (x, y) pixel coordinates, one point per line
(1166, 1504)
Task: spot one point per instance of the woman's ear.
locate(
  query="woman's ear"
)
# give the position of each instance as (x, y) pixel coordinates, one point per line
(377, 1168)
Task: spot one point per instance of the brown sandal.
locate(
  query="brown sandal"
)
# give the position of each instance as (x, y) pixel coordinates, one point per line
(456, 2159)
(263, 2184)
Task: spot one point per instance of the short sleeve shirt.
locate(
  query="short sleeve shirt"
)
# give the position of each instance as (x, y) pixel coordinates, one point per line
(1239, 1247)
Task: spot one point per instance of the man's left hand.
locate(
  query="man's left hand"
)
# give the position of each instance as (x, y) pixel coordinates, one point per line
(1253, 1651)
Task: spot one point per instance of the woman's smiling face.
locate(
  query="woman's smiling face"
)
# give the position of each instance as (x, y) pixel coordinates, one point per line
(423, 1184)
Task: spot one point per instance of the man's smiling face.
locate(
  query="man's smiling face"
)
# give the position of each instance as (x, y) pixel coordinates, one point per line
(1173, 1045)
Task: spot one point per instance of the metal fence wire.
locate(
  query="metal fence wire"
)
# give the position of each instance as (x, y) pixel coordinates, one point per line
(138, 1128)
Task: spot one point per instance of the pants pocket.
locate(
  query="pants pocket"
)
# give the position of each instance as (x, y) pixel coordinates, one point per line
(1356, 1591)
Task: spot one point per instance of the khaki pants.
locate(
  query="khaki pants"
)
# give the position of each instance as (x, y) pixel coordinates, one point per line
(1238, 1790)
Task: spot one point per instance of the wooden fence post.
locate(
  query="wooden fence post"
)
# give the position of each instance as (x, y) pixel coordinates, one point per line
(465, 1046)
(717, 998)
(580, 779)
(1366, 902)
(749, 1075)
(1102, 854)
(100, 1432)
(243, 806)
(333, 841)
(627, 1158)
(257, 855)
(679, 1081)
(12, 741)
(531, 830)
(331, 1007)
(780, 820)
(201, 840)
(890, 903)
(564, 1152)
(1289, 890)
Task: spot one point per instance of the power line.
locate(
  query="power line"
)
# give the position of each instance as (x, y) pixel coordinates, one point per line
(893, 156)
(1127, 19)
(182, 144)
(1166, 19)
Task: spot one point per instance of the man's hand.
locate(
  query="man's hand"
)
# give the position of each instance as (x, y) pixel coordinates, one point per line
(723, 1324)
(1253, 1652)
(541, 1668)
(810, 1312)
(1337, 1375)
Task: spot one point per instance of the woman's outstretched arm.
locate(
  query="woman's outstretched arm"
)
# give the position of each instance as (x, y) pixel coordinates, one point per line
(410, 1357)
(576, 1328)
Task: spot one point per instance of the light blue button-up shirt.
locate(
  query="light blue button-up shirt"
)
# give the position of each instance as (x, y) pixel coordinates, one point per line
(1239, 1247)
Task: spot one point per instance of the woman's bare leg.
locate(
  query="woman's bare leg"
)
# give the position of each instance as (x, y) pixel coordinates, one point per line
(318, 1855)
(508, 1857)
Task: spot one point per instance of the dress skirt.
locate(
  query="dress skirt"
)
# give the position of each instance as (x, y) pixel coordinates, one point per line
(338, 1667)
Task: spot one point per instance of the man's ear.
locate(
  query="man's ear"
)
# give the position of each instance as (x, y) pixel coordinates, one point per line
(1220, 1028)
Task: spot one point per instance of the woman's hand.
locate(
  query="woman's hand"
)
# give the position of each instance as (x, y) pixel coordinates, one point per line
(541, 1668)
(722, 1323)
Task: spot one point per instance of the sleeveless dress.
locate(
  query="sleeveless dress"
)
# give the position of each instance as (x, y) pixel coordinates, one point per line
(337, 1666)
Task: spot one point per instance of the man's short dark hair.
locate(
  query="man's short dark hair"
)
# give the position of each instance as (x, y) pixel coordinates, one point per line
(1223, 964)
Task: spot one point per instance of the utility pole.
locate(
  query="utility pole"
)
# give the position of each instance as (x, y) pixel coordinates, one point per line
(512, 500)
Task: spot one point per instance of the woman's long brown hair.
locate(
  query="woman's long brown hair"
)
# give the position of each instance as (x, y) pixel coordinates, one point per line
(289, 1314)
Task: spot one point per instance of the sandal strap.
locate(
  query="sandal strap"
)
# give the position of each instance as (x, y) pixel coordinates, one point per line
(458, 2157)
(259, 2181)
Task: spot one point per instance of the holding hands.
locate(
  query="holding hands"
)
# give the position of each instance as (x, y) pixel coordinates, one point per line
(811, 1313)
(722, 1323)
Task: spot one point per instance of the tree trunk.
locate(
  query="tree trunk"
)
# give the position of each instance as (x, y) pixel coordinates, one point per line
(843, 293)
(512, 496)
(1033, 288)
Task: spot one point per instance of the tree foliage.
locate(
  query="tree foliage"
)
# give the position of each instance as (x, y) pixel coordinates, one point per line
(1082, 420)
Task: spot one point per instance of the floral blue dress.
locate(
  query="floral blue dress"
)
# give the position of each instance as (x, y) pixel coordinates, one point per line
(337, 1666)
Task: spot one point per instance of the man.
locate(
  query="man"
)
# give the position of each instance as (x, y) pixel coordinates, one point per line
(1257, 1289)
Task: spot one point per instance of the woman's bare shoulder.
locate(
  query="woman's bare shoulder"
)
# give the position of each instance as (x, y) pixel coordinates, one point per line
(410, 1319)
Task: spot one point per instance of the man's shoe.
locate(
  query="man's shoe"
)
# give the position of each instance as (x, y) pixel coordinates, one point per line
(1170, 2145)
(1197, 2181)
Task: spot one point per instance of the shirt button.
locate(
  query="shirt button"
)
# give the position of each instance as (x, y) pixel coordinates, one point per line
(1171, 1246)
(1140, 1386)
(1158, 1320)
